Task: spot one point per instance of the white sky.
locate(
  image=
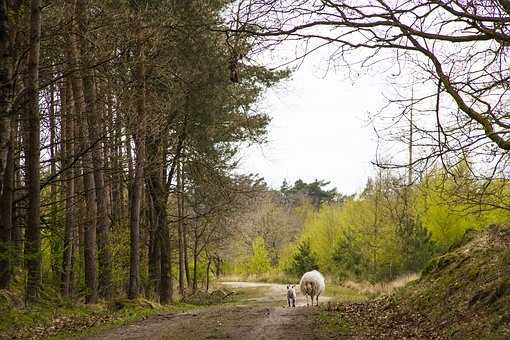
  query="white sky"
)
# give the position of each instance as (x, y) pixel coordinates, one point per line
(319, 129)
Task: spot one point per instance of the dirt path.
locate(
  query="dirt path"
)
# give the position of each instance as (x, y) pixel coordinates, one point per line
(265, 316)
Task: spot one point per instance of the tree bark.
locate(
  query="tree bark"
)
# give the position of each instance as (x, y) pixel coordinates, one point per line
(5, 89)
(207, 274)
(195, 257)
(90, 216)
(137, 183)
(68, 177)
(94, 136)
(180, 193)
(17, 231)
(6, 217)
(33, 231)
(158, 196)
(154, 247)
(185, 246)
(54, 242)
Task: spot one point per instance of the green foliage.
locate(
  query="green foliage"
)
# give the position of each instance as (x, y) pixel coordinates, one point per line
(304, 259)
(446, 219)
(313, 191)
(259, 261)
(417, 245)
(321, 229)
(348, 255)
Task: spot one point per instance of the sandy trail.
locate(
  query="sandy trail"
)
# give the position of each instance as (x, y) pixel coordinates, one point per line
(263, 317)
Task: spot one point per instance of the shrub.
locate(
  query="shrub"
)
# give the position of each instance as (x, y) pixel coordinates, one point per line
(303, 260)
(259, 262)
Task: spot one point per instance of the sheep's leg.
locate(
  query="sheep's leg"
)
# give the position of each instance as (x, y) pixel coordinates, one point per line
(293, 302)
(288, 301)
(306, 300)
(317, 300)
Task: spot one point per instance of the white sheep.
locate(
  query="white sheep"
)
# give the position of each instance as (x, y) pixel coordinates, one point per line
(291, 295)
(312, 284)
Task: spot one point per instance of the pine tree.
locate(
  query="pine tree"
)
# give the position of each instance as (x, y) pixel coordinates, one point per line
(417, 245)
(304, 259)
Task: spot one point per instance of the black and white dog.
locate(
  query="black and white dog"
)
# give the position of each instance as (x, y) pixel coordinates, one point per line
(291, 295)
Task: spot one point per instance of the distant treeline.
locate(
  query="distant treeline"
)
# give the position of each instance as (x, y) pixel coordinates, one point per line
(389, 229)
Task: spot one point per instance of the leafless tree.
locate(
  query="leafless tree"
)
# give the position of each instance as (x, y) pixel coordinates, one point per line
(456, 50)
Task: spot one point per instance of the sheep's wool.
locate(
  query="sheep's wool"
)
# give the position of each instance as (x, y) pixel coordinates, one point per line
(312, 283)
(291, 293)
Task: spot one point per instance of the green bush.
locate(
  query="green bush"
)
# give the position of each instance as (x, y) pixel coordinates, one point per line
(259, 262)
(303, 260)
(348, 256)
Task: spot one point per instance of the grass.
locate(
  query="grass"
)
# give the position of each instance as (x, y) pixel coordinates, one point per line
(333, 324)
(381, 287)
(342, 293)
(64, 321)
(269, 277)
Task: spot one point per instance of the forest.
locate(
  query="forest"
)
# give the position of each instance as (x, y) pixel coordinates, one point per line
(122, 124)
(118, 145)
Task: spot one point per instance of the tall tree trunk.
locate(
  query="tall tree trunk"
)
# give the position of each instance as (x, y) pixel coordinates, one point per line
(54, 242)
(68, 176)
(154, 247)
(185, 246)
(217, 261)
(17, 231)
(136, 191)
(207, 274)
(6, 216)
(116, 154)
(158, 196)
(195, 260)
(89, 217)
(180, 193)
(33, 231)
(94, 136)
(115, 107)
(165, 288)
(5, 90)
(89, 248)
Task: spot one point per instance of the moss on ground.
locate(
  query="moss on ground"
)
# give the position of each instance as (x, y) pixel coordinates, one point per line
(466, 292)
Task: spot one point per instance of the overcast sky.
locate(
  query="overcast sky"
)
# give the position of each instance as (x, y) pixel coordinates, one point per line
(319, 129)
